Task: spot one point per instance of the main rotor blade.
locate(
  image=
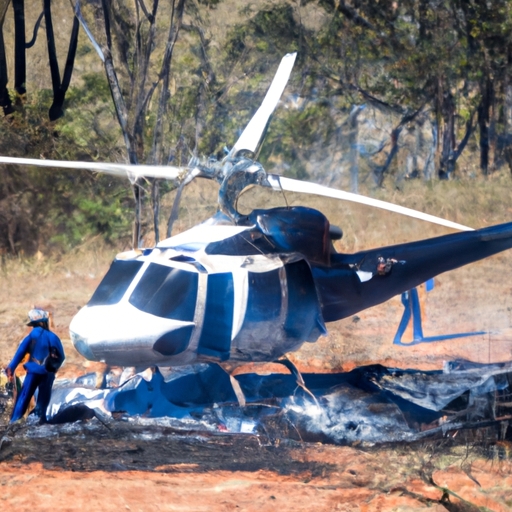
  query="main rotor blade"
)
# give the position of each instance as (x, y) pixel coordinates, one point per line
(129, 171)
(279, 182)
(253, 132)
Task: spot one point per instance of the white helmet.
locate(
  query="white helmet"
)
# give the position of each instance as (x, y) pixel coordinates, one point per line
(37, 315)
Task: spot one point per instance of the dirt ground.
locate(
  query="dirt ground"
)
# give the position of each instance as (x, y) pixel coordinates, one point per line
(127, 467)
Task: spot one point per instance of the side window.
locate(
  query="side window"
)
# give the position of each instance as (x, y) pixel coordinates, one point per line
(264, 300)
(166, 292)
(115, 283)
(215, 337)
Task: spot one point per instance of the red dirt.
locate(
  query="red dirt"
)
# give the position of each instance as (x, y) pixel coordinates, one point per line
(305, 477)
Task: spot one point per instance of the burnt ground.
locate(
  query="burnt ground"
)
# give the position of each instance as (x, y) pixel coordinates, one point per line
(93, 445)
(125, 447)
(464, 471)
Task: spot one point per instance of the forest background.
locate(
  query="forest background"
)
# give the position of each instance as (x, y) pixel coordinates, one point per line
(409, 101)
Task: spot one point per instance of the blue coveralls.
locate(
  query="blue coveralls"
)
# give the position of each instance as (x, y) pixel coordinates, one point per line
(37, 344)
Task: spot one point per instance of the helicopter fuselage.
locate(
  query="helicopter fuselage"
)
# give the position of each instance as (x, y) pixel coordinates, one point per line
(254, 289)
(217, 292)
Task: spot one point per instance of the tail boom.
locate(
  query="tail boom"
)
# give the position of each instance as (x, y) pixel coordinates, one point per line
(343, 292)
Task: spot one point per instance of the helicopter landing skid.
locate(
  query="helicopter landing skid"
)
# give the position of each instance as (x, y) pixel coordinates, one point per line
(412, 311)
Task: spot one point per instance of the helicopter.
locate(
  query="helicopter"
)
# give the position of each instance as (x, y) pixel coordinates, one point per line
(241, 288)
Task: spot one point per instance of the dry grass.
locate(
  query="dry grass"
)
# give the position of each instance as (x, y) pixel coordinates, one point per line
(60, 284)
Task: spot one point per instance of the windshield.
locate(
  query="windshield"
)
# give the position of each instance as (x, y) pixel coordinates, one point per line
(115, 283)
(166, 292)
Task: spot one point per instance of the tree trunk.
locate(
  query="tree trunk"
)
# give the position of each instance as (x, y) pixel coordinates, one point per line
(380, 172)
(155, 201)
(508, 94)
(446, 164)
(428, 170)
(352, 137)
(5, 100)
(423, 21)
(20, 68)
(486, 126)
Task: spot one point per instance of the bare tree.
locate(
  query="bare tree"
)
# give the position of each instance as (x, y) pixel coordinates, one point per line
(137, 53)
(60, 86)
(5, 100)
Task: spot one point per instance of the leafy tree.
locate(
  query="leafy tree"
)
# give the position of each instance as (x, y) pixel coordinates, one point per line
(443, 57)
(59, 209)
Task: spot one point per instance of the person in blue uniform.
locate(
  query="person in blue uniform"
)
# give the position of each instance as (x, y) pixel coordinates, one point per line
(46, 356)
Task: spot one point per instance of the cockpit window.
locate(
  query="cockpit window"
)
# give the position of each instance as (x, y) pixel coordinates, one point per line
(166, 292)
(115, 283)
